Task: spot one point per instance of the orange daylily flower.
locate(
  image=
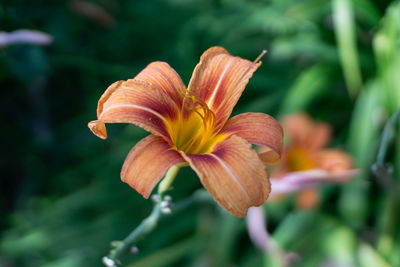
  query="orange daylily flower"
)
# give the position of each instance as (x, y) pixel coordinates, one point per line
(191, 125)
(305, 151)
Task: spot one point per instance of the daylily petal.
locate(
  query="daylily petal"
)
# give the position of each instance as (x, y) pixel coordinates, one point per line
(260, 129)
(305, 132)
(161, 75)
(135, 102)
(233, 174)
(268, 156)
(147, 162)
(219, 80)
(332, 160)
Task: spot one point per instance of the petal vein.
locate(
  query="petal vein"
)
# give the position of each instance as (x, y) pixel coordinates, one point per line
(229, 171)
(210, 102)
(137, 107)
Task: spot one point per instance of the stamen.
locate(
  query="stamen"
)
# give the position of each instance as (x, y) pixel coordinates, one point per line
(251, 66)
(193, 104)
(260, 56)
(208, 114)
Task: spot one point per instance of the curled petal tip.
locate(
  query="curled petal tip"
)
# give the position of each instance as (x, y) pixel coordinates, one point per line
(98, 128)
(269, 156)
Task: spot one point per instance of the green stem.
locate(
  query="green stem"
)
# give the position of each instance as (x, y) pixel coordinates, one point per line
(343, 17)
(148, 224)
(381, 169)
(386, 137)
(169, 178)
(384, 176)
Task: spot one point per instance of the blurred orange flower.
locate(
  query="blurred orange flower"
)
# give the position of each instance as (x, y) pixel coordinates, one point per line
(191, 125)
(305, 151)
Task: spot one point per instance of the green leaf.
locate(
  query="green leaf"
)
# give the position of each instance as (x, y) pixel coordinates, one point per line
(368, 257)
(346, 39)
(387, 50)
(363, 142)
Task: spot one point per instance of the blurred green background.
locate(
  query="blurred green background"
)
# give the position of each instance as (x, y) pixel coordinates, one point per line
(61, 198)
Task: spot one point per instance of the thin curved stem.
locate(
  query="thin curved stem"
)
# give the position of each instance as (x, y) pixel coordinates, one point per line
(161, 207)
(146, 226)
(169, 178)
(383, 172)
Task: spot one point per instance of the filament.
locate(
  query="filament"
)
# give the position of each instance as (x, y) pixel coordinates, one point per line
(263, 52)
(207, 116)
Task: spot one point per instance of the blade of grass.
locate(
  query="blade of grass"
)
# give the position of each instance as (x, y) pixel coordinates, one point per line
(362, 145)
(367, 10)
(369, 257)
(386, 47)
(343, 18)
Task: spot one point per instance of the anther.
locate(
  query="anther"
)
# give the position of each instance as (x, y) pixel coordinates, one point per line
(252, 65)
(260, 56)
(263, 52)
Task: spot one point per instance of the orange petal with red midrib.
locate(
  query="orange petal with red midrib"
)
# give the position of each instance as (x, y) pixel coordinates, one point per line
(135, 102)
(332, 160)
(161, 75)
(233, 174)
(305, 132)
(219, 80)
(147, 162)
(260, 129)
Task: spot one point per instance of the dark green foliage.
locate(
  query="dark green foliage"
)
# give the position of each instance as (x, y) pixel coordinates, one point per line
(62, 201)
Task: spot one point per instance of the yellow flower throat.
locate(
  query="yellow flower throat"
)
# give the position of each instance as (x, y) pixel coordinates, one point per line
(193, 132)
(298, 159)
